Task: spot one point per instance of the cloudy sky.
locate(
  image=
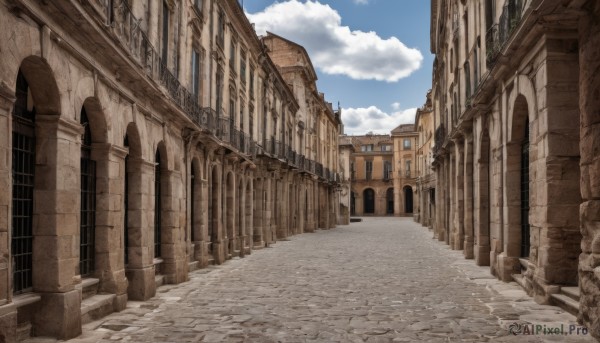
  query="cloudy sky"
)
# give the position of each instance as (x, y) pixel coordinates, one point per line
(372, 56)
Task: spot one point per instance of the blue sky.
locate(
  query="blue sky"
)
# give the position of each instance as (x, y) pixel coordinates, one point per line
(371, 55)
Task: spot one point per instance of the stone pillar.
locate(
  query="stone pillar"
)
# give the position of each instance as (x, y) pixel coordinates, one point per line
(556, 180)
(140, 269)
(459, 195)
(8, 312)
(201, 252)
(589, 105)
(268, 211)
(110, 176)
(259, 214)
(174, 266)
(451, 208)
(56, 227)
(468, 197)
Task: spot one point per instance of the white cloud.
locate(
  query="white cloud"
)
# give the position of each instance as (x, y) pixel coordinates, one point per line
(396, 106)
(334, 48)
(359, 121)
(361, 2)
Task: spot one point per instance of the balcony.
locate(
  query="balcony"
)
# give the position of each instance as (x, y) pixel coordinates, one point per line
(498, 34)
(126, 29)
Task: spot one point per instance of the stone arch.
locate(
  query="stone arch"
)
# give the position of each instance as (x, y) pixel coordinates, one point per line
(369, 201)
(136, 259)
(161, 198)
(230, 213)
(45, 170)
(249, 206)
(516, 190)
(483, 201)
(196, 204)
(214, 214)
(408, 199)
(240, 220)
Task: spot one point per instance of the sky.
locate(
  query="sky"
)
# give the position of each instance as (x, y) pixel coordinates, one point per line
(371, 56)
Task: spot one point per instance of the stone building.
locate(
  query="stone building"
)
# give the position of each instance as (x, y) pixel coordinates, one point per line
(376, 188)
(404, 139)
(515, 105)
(140, 141)
(425, 184)
(348, 145)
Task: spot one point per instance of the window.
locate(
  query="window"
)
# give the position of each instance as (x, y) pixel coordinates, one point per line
(219, 91)
(387, 170)
(196, 73)
(467, 80)
(165, 33)
(386, 147)
(367, 147)
(406, 144)
(221, 29)
(407, 163)
(243, 68)
(368, 169)
(198, 4)
(251, 123)
(232, 55)
(251, 82)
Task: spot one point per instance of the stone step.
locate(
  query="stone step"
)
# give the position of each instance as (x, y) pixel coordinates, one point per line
(520, 279)
(23, 331)
(524, 263)
(571, 292)
(159, 280)
(566, 303)
(194, 265)
(88, 287)
(96, 307)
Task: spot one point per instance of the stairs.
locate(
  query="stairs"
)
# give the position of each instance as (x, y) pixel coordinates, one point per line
(93, 304)
(567, 299)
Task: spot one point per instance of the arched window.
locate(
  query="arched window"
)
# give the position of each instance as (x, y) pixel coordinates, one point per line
(23, 163)
(525, 229)
(157, 205)
(87, 221)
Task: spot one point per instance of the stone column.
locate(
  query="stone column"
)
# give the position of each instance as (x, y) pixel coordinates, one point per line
(459, 195)
(468, 197)
(8, 311)
(589, 105)
(56, 227)
(110, 176)
(140, 269)
(174, 266)
(259, 214)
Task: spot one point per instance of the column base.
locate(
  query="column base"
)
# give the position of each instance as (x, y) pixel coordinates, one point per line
(59, 315)
(142, 285)
(507, 266)
(8, 323)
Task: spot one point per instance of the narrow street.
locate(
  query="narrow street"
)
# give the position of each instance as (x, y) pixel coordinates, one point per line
(382, 280)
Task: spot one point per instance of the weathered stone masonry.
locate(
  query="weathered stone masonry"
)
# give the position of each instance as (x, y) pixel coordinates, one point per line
(138, 142)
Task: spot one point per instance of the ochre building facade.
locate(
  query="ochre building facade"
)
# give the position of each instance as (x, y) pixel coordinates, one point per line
(140, 141)
(516, 153)
(382, 172)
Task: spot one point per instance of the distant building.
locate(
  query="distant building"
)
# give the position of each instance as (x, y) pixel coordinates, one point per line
(426, 181)
(382, 174)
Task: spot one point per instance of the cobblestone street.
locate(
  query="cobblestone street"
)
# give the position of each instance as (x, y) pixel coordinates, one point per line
(382, 280)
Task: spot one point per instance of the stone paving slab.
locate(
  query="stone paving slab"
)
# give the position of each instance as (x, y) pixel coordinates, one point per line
(380, 280)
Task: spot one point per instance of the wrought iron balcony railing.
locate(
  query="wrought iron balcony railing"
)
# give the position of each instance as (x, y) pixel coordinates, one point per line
(499, 33)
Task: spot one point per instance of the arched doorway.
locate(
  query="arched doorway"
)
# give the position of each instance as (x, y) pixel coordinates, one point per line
(389, 200)
(408, 199)
(369, 201)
